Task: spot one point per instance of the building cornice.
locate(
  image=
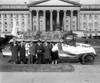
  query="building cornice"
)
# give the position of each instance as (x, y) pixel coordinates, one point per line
(34, 4)
(37, 2)
(13, 6)
(94, 6)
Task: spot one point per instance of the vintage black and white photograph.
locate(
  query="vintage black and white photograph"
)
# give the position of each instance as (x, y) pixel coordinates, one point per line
(49, 41)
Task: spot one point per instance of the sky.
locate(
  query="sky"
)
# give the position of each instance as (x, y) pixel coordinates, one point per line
(22, 1)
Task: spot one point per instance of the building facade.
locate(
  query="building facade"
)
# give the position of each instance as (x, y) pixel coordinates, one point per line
(50, 15)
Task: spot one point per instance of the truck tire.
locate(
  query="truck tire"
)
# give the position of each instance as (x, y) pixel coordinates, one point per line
(87, 59)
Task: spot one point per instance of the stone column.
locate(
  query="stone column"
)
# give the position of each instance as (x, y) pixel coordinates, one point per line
(58, 17)
(71, 20)
(51, 20)
(78, 20)
(25, 22)
(64, 19)
(31, 21)
(2, 22)
(38, 28)
(8, 22)
(44, 13)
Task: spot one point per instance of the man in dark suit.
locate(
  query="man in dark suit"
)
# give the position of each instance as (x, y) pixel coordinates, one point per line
(22, 52)
(39, 52)
(32, 52)
(14, 50)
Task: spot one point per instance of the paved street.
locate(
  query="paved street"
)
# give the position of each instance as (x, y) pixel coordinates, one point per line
(82, 74)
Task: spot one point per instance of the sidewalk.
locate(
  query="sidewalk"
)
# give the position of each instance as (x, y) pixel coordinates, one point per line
(82, 74)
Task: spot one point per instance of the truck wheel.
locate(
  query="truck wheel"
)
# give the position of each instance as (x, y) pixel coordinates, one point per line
(87, 59)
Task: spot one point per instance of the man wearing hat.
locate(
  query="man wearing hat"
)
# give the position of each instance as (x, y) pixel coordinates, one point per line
(39, 52)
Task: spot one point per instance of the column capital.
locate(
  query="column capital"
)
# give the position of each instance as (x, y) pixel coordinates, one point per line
(71, 10)
(37, 10)
(51, 10)
(58, 10)
(78, 10)
(44, 10)
(65, 10)
(30, 10)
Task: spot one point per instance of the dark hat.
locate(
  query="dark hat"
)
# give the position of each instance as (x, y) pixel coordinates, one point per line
(39, 40)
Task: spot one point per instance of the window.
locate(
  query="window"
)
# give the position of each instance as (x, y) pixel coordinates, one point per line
(17, 16)
(22, 16)
(0, 16)
(5, 29)
(22, 24)
(0, 27)
(35, 28)
(95, 29)
(11, 19)
(17, 23)
(67, 26)
(11, 16)
(90, 24)
(96, 35)
(41, 21)
(67, 17)
(5, 24)
(73, 25)
(90, 17)
(28, 21)
(89, 29)
(84, 16)
(84, 23)
(28, 16)
(16, 19)
(73, 21)
(41, 25)
(34, 21)
(67, 20)
(5, 16)
(96, 16)
(96, 24)
(84, 26)
(11, 22)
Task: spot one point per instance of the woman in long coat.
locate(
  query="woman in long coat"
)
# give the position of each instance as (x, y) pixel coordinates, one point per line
(14, 51)
(47, 52)
(54, 56)
(22, 52)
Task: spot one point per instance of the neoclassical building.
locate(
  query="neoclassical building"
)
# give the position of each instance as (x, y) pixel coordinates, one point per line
(50, 15)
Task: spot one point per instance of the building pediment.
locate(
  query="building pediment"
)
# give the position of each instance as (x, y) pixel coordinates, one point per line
(54, 3)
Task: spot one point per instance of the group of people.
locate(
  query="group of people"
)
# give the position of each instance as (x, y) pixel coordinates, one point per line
(33, 53)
